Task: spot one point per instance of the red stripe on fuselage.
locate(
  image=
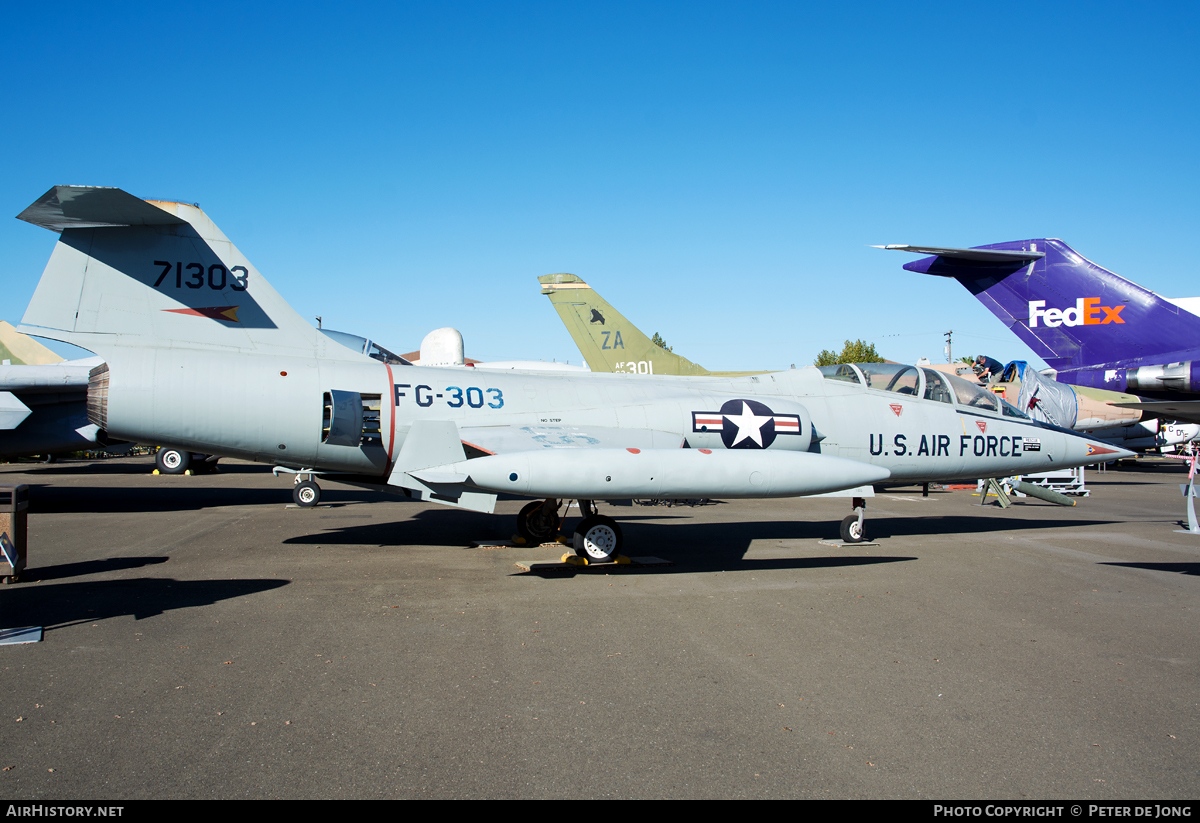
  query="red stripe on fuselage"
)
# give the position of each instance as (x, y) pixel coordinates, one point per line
(391, 392)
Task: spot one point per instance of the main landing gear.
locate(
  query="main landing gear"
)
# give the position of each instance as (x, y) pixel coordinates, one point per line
(596, 539)
(305, 491)
(852, 526)
(538, 521)
(172, 461)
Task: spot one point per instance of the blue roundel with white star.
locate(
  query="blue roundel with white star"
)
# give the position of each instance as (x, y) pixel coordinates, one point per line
(745, 424)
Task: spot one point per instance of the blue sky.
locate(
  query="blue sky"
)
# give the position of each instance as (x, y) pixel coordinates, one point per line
(714, 170)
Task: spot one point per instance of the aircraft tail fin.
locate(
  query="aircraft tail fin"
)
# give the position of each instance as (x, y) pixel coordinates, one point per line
(1070, 311)
(128, 272)
(22, 350)
(608, 342)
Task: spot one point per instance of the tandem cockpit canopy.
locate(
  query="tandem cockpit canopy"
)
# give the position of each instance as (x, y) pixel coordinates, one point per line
(920, 382)
(368, 347)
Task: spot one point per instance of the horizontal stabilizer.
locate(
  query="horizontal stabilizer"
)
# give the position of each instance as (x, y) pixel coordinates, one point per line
(971, 255)
(85, 207)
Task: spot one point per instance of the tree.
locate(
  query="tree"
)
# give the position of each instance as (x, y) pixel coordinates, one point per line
(658, 341)
(856, 351)
(970, 361)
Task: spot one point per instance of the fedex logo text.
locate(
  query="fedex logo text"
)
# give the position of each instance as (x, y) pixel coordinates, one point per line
(1085, 312)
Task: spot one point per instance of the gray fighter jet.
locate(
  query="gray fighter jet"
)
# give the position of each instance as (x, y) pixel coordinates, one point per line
(201, 352)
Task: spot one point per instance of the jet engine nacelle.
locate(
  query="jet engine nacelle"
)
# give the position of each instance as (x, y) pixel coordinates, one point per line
(1183, 376)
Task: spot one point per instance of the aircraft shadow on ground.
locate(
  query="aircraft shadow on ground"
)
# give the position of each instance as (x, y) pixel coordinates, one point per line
(882, 527)
(1175, 568)
(691, 546)
(446, 527)
(177, 494)
(705, 562)
(112, 564)
(64, 604)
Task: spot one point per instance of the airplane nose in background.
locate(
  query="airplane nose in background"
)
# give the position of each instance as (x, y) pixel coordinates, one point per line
(1108, 452)
(1104, 452)
(1084, 450)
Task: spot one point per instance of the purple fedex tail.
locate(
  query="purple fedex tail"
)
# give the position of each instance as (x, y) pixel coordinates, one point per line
(1095, 328)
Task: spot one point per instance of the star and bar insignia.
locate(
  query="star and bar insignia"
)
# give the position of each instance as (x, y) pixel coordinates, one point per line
(746, 424)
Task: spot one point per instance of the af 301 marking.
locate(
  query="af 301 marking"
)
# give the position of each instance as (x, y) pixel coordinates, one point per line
(472, 396)
(635, 367)
(938, 445)
(236, 278)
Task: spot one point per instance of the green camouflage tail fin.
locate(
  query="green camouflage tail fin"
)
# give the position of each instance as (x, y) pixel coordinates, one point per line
(608, 341)
(22, 350)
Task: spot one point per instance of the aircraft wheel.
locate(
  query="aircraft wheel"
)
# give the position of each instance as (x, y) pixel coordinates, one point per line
(598, 538)
(204, 466)
(172, 461)
(537, 522)
(852, 530)
(306, 494)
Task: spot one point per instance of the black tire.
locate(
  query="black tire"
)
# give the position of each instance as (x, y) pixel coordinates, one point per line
(852, 531)
(205, 466)
(172, 461)
(537, 523)
(598, 539)
(306, 494)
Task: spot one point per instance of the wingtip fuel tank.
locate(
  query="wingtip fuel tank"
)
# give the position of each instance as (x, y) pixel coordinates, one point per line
(605, 474)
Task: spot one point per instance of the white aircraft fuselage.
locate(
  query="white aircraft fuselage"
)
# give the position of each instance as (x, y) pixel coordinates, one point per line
(202, 353)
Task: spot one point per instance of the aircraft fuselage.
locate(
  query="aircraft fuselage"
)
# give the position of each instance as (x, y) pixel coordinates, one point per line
(276, 409)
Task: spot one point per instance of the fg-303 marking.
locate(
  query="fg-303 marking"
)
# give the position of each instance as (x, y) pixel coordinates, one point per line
(472, 396)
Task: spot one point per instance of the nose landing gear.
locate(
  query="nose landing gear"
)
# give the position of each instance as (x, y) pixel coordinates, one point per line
(306, 493)
(852, 526)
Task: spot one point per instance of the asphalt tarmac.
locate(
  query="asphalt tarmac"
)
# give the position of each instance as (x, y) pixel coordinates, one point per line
(202, 640)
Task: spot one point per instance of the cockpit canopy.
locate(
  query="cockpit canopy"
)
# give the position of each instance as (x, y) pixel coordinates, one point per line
(920, 382)
(364, 346)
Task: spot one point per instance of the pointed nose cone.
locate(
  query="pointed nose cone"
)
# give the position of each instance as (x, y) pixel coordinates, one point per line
(1082, 450)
